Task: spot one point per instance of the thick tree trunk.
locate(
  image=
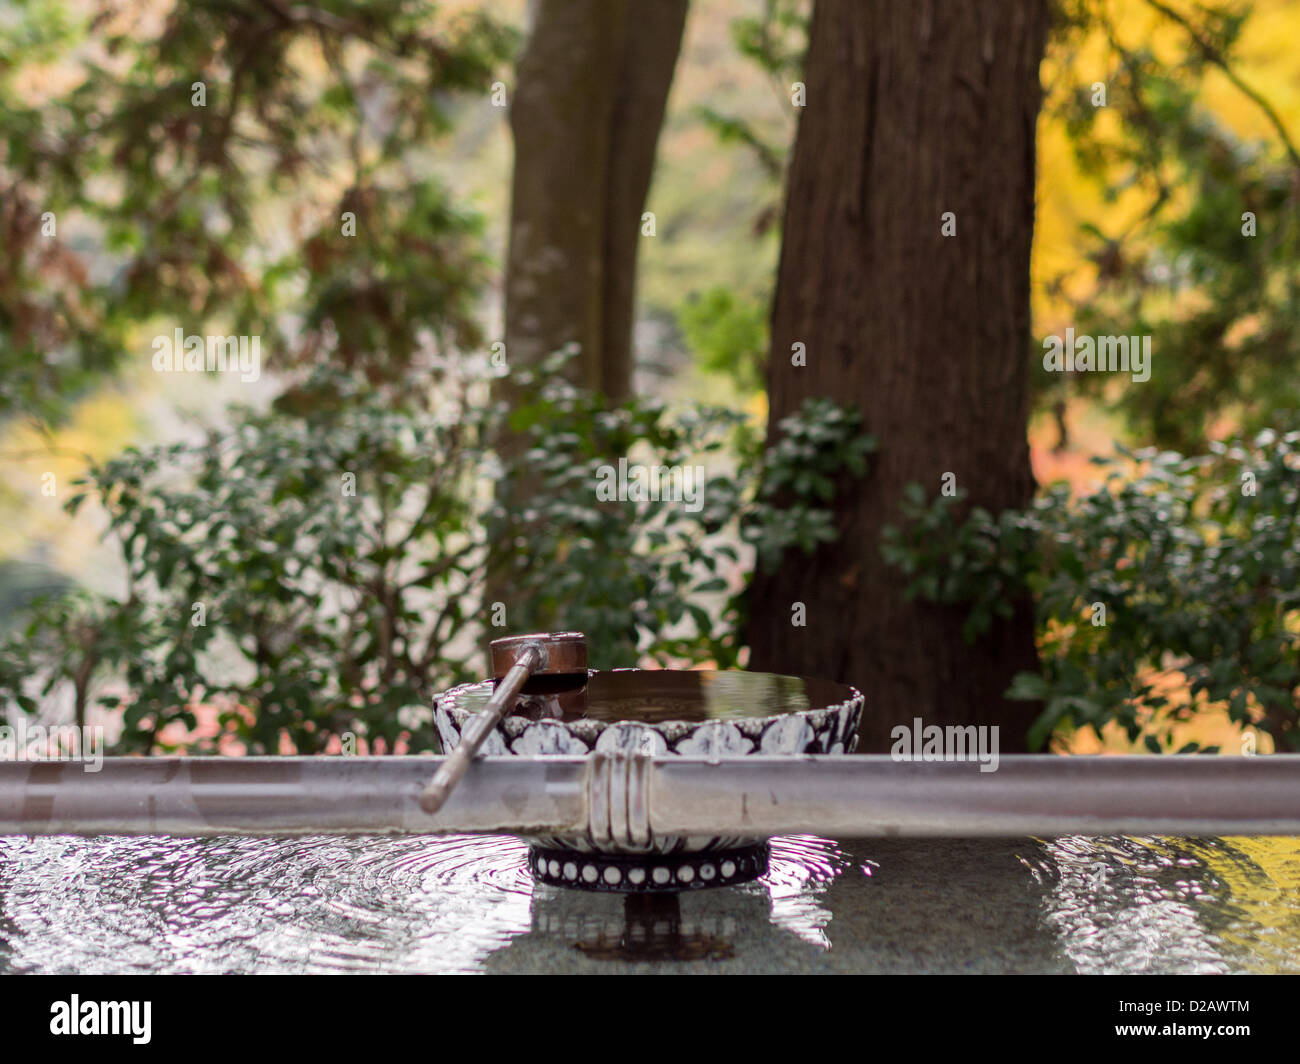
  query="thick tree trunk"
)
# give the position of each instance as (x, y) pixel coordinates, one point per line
(589, 102)
(913, 110)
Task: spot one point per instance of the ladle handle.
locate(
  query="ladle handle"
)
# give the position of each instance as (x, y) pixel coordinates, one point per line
(479, 727)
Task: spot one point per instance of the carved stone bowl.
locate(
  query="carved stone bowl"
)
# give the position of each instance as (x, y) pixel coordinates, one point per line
(659, 712)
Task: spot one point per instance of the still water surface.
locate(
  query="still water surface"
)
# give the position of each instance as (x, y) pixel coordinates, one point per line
(468, 904)
(658, 695)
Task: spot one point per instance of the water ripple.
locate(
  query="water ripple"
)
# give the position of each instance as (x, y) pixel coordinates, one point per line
(327, 904)
(314, 904)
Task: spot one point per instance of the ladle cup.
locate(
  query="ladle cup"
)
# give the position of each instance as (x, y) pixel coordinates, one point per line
(515, 660)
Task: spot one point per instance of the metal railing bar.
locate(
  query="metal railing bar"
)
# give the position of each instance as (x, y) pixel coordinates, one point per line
(843, 797)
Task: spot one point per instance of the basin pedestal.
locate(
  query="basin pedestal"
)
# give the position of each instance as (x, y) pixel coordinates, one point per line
(644, 873)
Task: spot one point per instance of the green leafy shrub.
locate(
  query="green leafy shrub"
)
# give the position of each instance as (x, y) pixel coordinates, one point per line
(322, 574)
(310, 568)
(1195, 562)
(646, 580)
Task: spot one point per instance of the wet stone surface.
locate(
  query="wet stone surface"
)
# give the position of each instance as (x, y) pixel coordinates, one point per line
(469, 904)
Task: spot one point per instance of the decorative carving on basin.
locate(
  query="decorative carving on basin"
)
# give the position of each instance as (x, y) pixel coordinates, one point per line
(659, 712)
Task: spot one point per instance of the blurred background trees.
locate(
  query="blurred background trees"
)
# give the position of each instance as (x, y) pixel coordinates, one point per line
(336, 178)
(589, 97)
(1222, 299)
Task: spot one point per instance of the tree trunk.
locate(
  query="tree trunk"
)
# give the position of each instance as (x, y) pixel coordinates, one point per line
(913, 110)
(589, 102)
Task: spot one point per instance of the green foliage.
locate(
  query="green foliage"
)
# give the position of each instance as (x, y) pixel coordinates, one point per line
(775, 41)
(633, 574)
(1222, 307)
(1196, 562)
(319, 569)
(67, 638)
(800, 472)
(726, 327)
(643, 579)
(324, 573)
(727, 333)
(163, 207)
(22, 583)
(327, 555)
(409, 288)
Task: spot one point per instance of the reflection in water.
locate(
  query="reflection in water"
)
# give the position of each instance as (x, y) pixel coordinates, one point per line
(1187, 905)
(800, 869)
(462, 903)
(652, 929)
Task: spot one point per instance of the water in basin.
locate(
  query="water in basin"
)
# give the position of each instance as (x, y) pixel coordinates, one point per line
(468, 904)
(657, 695)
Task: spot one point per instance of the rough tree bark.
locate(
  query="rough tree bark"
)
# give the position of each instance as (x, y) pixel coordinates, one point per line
(588, 105)
(913, 109)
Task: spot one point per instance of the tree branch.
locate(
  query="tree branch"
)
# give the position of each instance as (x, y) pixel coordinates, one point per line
(1215, 57)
